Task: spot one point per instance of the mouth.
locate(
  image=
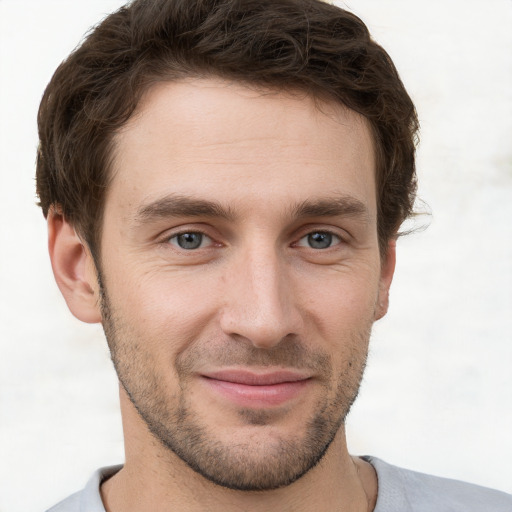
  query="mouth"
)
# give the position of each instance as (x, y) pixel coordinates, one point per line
(257, 390)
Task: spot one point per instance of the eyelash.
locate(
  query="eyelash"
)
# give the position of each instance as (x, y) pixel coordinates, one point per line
(330, 235)
(188, 232)
(324, 232)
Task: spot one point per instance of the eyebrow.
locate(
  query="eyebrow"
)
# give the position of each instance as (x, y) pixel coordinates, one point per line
(339, 206)
(185, 206)
(181, 206)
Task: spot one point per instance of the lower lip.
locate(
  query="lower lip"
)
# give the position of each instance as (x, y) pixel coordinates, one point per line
(257, 396)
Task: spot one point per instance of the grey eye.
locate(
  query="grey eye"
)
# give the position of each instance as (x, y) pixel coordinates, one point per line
(319, 240)
(189, 241)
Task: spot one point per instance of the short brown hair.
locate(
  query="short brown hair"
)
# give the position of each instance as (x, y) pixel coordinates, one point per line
(305, 45)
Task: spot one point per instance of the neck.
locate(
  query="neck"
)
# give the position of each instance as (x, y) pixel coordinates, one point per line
(155, 479)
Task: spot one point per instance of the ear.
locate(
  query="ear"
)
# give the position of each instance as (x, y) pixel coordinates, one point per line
(386, 276)
(73, 268)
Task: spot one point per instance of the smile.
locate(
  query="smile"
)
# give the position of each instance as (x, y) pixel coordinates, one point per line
(250, 389)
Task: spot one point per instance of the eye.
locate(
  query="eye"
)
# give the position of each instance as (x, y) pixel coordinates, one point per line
(319, 240)
(190, 240)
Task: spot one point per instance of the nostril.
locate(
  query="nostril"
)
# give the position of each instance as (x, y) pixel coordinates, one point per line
(259, 305)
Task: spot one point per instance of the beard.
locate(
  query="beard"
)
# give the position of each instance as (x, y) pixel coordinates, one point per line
(244, 462)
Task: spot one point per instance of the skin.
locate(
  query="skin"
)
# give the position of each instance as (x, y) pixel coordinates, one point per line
(256, 295)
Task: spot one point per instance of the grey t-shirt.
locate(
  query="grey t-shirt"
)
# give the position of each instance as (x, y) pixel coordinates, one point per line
(400, 490)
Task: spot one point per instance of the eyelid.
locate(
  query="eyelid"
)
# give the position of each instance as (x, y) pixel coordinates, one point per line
(333, 235)
(169, 234)
(206, 240)
(339, 233)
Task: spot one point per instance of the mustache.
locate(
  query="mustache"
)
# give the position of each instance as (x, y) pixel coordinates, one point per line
(289, 353)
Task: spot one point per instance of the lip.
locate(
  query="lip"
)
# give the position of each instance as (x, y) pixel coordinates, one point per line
(260, 390)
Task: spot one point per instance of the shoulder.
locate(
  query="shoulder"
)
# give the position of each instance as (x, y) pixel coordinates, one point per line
(89, 498)
(402, 489)
(70, 504)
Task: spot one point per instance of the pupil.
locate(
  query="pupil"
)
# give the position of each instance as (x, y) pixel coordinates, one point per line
(190, 240)
(320, 240)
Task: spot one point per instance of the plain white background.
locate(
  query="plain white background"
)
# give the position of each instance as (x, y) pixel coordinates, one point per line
(437, 394)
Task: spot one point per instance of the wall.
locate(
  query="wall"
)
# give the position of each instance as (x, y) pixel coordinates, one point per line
(438, 389)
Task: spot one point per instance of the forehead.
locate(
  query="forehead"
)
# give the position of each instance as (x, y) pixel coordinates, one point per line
(230, 143)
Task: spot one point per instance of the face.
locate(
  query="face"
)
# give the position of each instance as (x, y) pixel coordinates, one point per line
(241, 275)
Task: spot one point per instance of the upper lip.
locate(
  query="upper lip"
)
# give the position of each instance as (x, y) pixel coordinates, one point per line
(252, 378)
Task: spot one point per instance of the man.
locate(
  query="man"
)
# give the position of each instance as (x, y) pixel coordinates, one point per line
(224, 182)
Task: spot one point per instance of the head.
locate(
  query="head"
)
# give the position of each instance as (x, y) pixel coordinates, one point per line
(224, 181)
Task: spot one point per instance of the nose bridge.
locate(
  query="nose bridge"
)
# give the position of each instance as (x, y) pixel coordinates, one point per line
(259, 300)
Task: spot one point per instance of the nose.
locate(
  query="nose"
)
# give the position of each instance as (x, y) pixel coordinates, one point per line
(260, 304)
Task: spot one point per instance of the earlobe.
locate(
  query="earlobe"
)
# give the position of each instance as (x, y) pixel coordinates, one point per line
(386, 277)
(73, 268)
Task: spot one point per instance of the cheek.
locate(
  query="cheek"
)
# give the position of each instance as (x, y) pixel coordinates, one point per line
(342, 302)
(164, 306)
